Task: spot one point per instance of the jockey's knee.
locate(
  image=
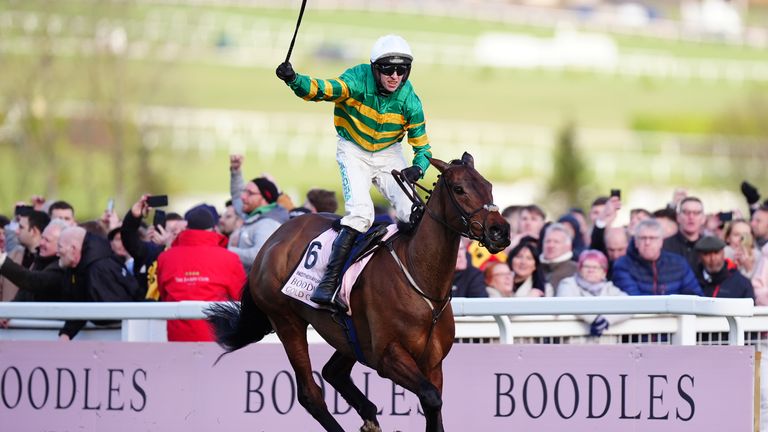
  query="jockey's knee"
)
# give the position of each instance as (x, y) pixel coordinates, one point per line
(358, 223)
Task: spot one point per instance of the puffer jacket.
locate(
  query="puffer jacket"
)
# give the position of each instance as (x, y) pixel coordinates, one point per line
(670, 274)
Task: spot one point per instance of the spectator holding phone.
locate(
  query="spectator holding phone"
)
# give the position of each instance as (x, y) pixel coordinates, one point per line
(144, 253)
(740, 246)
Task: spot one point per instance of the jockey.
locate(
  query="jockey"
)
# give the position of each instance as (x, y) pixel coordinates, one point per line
(375, 106)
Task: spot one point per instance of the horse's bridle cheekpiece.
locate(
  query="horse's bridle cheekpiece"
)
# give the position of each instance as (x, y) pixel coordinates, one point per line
(419, 207)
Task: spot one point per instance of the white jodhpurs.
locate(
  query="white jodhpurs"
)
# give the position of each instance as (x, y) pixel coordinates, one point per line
(359, 170)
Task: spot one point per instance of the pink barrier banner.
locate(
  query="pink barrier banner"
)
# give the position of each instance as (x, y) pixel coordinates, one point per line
(133, 387)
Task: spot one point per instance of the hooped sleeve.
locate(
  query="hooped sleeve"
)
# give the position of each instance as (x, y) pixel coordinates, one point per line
(316, 90)
(417, 133)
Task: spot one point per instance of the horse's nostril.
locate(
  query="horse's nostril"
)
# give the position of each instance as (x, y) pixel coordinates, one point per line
(497, 233)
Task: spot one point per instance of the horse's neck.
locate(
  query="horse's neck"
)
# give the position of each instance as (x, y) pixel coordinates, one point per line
(432, 253)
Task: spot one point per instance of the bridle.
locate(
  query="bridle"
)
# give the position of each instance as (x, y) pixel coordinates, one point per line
(467, 217)
(467, 222)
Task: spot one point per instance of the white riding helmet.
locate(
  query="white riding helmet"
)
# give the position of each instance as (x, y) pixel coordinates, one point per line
(391, 46)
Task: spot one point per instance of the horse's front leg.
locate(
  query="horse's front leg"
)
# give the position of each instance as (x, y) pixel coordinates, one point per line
(435, 419)
(398, 365)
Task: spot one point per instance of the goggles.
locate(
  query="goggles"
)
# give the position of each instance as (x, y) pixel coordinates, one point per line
(390, 69)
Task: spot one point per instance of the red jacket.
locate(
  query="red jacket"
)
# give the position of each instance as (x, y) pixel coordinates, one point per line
(198, 266)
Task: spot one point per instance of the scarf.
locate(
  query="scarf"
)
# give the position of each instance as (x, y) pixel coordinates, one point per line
(592, 288)
(263, 209)
(557, 260)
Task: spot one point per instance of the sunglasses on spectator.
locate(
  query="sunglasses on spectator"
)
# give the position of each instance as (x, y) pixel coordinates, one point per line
(390, 69)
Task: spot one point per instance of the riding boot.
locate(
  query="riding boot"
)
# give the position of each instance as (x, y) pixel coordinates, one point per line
(326, 289)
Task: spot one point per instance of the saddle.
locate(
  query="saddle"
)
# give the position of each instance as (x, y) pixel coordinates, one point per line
(364, 244)
(311, 268)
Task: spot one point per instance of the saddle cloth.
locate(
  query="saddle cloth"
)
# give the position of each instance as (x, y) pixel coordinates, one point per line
(311, 269)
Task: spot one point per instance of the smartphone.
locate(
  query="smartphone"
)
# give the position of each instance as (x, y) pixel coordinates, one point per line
(157, 201)
(23, 210)
(159, 219)
(111, 205)
(725, 216)
(616, 193)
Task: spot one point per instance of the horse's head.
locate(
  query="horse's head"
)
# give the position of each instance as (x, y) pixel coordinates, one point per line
(475, 216)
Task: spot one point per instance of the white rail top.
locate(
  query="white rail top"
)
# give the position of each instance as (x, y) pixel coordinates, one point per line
(673, 304)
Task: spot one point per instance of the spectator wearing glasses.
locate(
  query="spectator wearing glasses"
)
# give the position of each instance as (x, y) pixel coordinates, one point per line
(256, 203)
(375, 107)
(690, 220)
(647, 269)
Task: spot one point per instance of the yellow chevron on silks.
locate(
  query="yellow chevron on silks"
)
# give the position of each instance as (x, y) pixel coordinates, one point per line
(362, 115)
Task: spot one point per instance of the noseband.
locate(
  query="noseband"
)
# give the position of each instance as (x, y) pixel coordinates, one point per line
(466, 217)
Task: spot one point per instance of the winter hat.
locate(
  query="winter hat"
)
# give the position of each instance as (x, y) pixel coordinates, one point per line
(709, 244)
(267, 189)
(199, 218)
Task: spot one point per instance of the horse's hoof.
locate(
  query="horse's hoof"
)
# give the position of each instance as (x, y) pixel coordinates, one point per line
(370, 426)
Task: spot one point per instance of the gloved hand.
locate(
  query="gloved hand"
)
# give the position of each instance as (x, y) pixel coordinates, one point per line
(285, 72)
(750, 193)
(412, 174)
(598, 326)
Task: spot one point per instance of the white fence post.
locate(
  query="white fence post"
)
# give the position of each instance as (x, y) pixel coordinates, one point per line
(686, 330)
(144, 330)
(735, 330)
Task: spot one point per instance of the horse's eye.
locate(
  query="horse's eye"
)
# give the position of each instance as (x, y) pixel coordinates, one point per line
(458, 189)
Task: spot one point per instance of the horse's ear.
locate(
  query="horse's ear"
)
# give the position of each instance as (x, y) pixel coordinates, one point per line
(437, 163)
(468, 159)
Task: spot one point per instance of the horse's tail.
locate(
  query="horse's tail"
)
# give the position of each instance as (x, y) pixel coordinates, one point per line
(237, 325)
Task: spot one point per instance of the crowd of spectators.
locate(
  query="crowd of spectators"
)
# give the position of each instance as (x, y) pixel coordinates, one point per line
(47, 254)
(675, 249)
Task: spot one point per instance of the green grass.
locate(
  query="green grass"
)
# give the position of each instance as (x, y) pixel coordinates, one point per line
(527, 97)
(449, 94)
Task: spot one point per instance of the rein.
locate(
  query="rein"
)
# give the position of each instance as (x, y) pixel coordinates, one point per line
(417, 210)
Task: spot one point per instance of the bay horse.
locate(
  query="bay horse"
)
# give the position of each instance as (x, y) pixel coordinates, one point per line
(405, 329)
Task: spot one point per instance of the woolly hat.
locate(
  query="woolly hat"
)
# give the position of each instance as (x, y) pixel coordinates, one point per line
(267, 189)
(199, 218)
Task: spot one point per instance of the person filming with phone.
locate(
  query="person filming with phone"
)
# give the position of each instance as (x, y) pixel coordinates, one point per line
(145, 253)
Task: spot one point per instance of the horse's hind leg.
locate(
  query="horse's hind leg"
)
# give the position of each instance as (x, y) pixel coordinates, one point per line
(398, 365)
(337, 373)
(294, 338)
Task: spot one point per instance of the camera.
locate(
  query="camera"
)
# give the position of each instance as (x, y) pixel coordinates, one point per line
(157, 201)
(725, 216)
